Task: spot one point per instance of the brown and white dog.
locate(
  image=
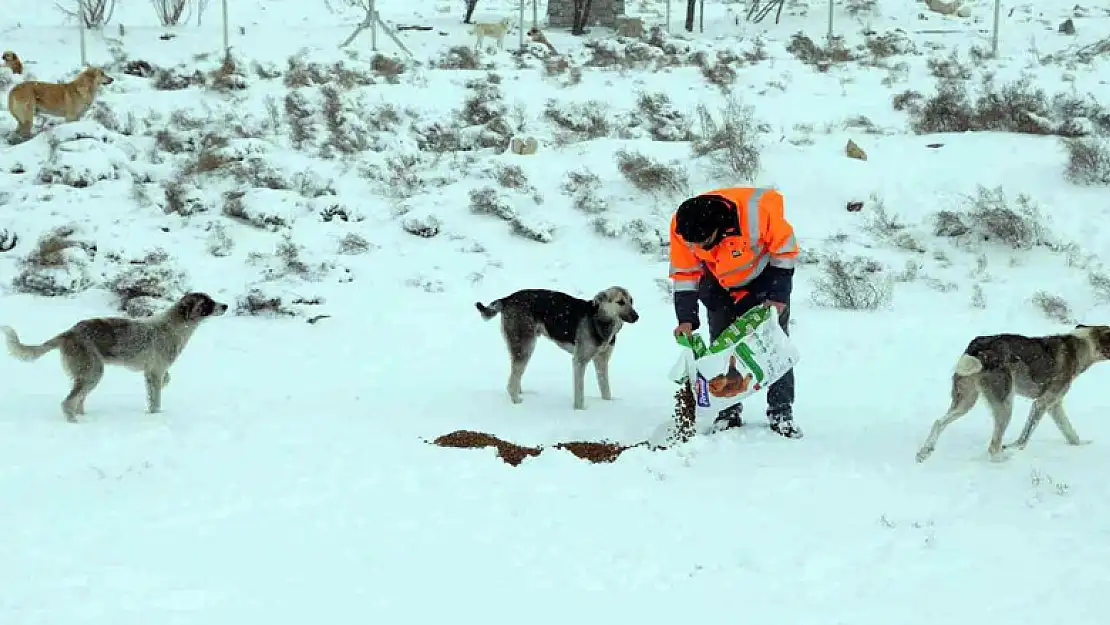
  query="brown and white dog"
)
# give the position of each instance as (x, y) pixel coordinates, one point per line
(11, 61)
(67, 99)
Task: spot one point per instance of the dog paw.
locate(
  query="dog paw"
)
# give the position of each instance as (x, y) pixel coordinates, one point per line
(998, 456)
(1082, 441)
(923, 453)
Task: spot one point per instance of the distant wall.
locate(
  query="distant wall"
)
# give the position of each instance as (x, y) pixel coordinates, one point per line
(560, 13)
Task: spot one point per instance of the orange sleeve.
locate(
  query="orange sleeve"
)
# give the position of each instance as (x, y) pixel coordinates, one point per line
(777, 233)
(686, 269)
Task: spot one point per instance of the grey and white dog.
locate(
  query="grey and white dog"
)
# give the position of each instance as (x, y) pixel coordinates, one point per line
(585, 329)
(1039, 368)
(149, 345)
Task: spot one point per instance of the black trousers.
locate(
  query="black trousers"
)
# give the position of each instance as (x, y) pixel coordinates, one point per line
(722, 310)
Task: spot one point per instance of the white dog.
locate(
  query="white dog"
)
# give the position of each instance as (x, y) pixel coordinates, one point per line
(495, 30)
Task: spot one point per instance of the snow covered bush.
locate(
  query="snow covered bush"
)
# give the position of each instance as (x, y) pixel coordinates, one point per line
(807, 51)
(1054, 307)
(424, 225)
(267, 209)
(732, 143)
(990, 217)
(146, 285)
(583, 187)
(83, 153)
(484, 115)
(658, 117)
(649, 175)
(487, 201)
(855, 283)
(582, 120)
(1017, 106)
(58, 265)
(1088, 161)
(458, 57)
(266, 300)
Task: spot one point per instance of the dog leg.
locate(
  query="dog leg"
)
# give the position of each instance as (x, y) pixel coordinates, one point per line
(519, 355)
(964, 395)
(1002, 411)
(579, 381)
(86, 370)
(155, 380)
(1062, 422)
(1036, 412)
(601, 368)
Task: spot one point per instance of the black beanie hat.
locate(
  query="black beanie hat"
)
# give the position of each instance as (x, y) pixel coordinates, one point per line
(702, 215)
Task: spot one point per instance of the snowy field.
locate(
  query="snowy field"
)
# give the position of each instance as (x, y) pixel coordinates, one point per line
(288, 479)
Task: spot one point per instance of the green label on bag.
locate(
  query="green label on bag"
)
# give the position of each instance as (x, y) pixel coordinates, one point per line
(746, 355)
(694, 342)
(740, 328)
(732, 336)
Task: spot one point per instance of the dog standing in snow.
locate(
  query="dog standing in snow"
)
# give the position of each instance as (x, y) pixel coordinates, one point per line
(1039, 368)
(496, 30)
(586, 329)
(147, 345)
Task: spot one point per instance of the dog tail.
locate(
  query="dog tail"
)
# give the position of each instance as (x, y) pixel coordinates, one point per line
(968, 365)
(27, 353)
(489, 312)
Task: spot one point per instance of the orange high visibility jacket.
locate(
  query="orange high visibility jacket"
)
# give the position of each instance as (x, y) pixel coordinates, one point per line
(765, 239)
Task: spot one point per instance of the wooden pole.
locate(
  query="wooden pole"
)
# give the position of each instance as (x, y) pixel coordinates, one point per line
(227, 40)
(668, 25)
(81, 27)
(994, 34)
(830, 33)
(520, 24)
(373, 27)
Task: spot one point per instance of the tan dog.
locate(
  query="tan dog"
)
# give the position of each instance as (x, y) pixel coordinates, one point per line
(496, 30)
(66, 99)
(535, 34)
(11, 60)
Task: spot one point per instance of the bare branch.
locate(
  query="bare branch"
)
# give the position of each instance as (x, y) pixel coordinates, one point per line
(171, 12)
(92, 13)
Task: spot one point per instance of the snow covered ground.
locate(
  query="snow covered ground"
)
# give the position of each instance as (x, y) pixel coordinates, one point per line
(288, 479)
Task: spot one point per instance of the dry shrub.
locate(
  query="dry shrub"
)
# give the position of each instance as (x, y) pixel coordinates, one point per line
(1054, 307)
(647, 174)
(732, 143)
(147, 284)
(856, 283)
(170, 12)
(805, 50)
(583, 187)
(57, 265)
(586, 120)
(1088, 161)
(459, 57)
(1015, 106)
(992, 217)
(665, 122)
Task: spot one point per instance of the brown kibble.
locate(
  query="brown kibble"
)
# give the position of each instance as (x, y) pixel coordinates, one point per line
(466, 439)
(594, 452)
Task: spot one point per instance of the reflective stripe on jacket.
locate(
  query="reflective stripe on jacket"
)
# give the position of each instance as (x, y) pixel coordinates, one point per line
(765, 238)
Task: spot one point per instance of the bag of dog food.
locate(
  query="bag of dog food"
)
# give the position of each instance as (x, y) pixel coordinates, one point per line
(747, 357)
